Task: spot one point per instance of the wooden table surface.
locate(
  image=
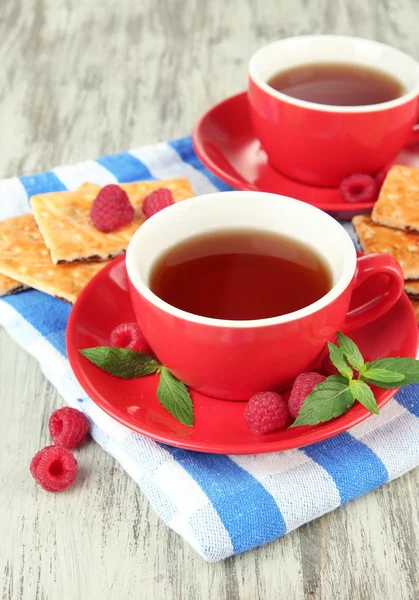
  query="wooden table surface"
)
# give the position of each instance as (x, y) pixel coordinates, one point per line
(81, 79)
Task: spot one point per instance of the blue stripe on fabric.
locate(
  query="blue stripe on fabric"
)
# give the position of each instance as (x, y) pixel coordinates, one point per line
(125, 167)
(185, 149)
(354, 467)
(408, 397)
(42, 183)
(46, 314)
(248, 512)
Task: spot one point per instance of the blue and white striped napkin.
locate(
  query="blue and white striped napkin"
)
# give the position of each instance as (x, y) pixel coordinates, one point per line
(221, 505)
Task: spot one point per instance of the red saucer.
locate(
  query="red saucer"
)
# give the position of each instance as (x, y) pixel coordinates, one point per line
(224, 140)
(219, 425)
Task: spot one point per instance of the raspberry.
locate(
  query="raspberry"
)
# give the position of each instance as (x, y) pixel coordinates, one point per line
(156, 201)
(266, 412)
(381, 175)
(327, 367)
(303, 385)
(54, 468)
(68, 427)
(130, 336)
(359, 188)
(111, 209)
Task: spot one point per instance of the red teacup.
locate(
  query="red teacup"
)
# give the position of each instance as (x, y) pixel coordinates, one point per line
(235, 359)
(321, 144)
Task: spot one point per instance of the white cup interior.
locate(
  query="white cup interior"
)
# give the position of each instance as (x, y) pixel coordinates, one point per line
(292, 52)
(248, 211)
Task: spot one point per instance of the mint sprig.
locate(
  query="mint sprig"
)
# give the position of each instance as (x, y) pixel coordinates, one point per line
(129, 364)
(335, 396)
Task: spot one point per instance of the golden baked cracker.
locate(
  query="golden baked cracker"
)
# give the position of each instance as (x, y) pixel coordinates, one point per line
(63, 220)
(411, 287)
(398, 202)
(24, 257)
(403, 246)
(415, 304)
(10, 286)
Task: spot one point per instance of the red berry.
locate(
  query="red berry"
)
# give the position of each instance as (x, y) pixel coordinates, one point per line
(266, 412)
(359, 188)
(68, 427)
(111, 209)
(381, 175)
(130, 336)
(54, 468)
(156, 201)
(327, 367)
(303, 385)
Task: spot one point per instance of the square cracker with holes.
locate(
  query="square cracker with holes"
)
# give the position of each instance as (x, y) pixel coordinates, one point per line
(403, 246)
(10, 286)
(25, 258)
(398, 202)
(63, 220)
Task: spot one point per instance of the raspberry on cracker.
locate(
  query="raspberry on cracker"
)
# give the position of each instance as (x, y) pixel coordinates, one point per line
(157, 201)
(111, 209)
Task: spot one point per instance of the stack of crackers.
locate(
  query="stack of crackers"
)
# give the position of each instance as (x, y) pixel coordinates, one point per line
(56, 250)
(393, 226)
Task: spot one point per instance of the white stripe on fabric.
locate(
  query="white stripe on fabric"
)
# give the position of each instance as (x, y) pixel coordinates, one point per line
(73, 176)
(13, 198)
(285, 475)
(183, 490)
(394, 441)
(132, 467)
(164, 162)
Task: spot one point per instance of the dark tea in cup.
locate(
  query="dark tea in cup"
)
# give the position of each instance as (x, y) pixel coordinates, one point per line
(240, 275)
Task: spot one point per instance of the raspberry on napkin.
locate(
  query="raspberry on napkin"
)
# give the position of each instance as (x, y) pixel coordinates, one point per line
(64, 220)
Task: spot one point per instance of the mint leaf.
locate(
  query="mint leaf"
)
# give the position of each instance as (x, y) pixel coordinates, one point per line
(338, 359)
(382, 376)
(409, 367)
(328, 399)
(351, 351)
(174, 396)
(121, 362)
(363, 393)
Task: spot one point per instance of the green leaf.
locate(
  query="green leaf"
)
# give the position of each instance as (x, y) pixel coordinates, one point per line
(382, 376)
(363, 393)
(409, 367)
(329, 399)
(174, 396)
(338, 359)
(350, 351)
(121, 362)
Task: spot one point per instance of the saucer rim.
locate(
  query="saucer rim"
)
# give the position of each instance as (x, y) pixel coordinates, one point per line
(313, 434)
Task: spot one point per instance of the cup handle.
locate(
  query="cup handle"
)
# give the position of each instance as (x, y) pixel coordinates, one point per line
(368, 266)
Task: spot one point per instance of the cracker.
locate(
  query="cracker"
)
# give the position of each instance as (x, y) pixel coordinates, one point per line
(63, 220)
(415, 304)
(403, 246)
(24, 257)
(411, 287)
(10, 286)
(398, 202)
